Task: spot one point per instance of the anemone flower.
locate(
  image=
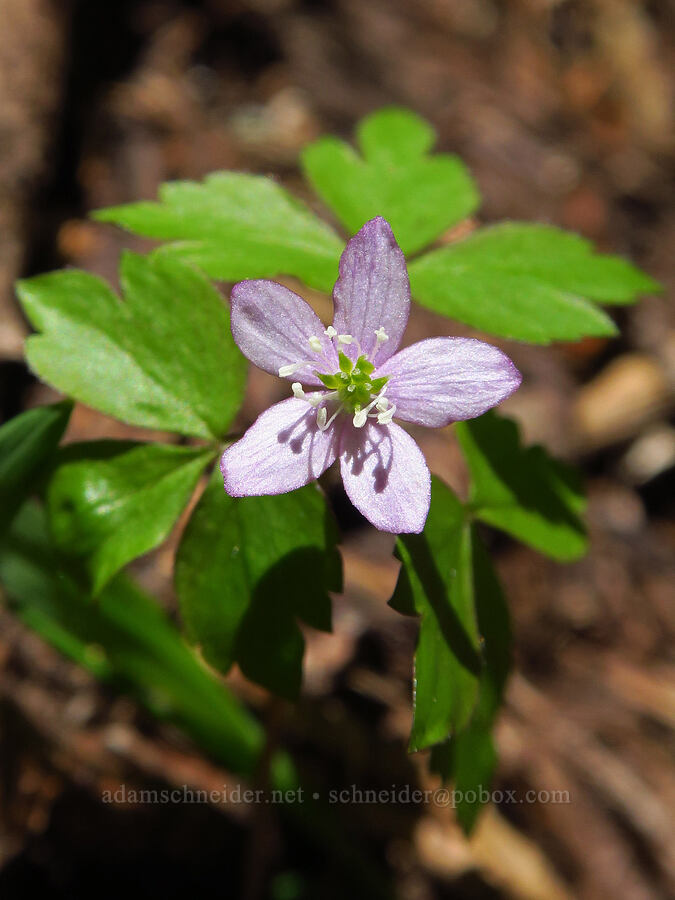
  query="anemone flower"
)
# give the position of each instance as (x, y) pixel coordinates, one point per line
(349, 384)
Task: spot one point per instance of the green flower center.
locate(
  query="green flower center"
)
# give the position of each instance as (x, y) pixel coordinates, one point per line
(353, 383)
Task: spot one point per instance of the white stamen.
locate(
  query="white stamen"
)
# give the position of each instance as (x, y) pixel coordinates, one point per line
(381, 335)
(381, 404)
(330, 332)
(360, 418)
(345, 338)
(290, 370)
(384, 418)
(321, 419)
(313, 399)
(315, 344)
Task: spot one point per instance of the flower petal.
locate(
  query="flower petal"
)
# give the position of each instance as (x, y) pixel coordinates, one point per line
(443, 380)
(272, 327)
(283, 450)
(386, 477)
(373, 290)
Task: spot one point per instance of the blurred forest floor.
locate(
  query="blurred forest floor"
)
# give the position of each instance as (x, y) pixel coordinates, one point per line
(562, 110)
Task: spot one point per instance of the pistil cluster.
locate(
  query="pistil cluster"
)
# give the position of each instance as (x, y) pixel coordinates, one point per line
(351, 390)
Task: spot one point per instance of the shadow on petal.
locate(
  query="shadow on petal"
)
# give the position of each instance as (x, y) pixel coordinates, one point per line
(373, 442)
(303, 437)
(281, 451)
(304, 429)
(386, 477)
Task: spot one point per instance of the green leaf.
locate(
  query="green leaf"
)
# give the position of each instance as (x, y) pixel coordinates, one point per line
(529, 282)
(27, 446)
(236, 226)
(162, 358)
(436, 582)
(247, 569)
(124, 636)
(420, 195)
(110, 502)
(469, 757)
(522, 490)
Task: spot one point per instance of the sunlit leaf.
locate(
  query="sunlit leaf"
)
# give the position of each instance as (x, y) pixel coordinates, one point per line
(163, 357)
(236, 226)
(522, 490)
(530, 282)
(420, 195)
(436, 582)
(110, 501)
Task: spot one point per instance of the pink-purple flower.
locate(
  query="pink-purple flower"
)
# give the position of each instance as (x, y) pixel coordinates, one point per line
(349, 384)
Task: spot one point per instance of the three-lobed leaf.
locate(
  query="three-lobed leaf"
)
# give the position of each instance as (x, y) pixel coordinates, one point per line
(420, 195)
(436, 582)
(247, 569)
(523, 491)
(236, 226)
(28, 443)
(110, 502)
(163, 357)
(525, 281)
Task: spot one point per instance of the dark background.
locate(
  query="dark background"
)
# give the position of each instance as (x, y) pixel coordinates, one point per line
(562, 110)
